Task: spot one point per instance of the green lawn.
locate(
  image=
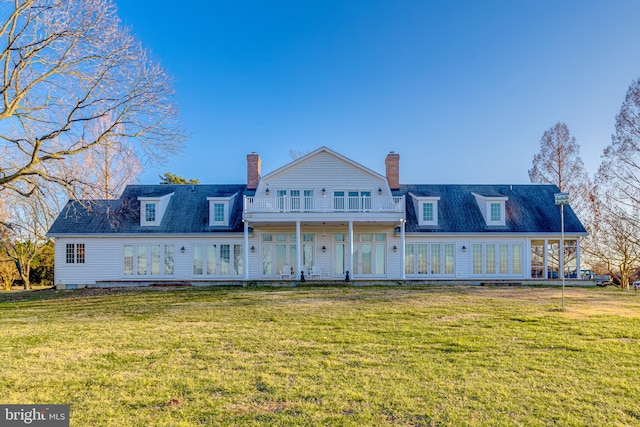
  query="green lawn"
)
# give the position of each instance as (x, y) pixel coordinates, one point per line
(429, 356)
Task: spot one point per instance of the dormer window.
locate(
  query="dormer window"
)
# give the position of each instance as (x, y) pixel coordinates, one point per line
(152, 209)
(492, 208)
(426, 209)
(219, 210)
(149, 213)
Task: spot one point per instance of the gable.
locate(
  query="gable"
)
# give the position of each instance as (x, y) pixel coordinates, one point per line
(323, 168)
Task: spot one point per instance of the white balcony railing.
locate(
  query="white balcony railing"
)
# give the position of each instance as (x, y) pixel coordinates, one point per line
(286, 204)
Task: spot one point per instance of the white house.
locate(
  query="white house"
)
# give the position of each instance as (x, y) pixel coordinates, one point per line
(323, 216)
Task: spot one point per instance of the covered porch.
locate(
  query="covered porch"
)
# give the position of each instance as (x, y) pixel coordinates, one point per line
(323, 250)
(546, 262)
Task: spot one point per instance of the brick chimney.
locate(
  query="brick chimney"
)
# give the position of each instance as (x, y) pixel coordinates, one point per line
(392, 162)
(253, 170)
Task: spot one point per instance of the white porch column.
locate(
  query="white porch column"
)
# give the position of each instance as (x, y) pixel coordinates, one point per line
(246, 250)
(578, 258)
(527, 259)
(298, 251)
(402, 251)
(546, 258)
(350, 249)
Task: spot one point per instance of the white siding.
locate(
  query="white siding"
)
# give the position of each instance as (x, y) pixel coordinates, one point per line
(395, 267)
(102, 261)
(327, 171)
(463, 259)
(162, 205)
(482, 205)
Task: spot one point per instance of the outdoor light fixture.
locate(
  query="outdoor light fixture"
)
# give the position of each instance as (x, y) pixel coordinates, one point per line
(379, 191)
(323, 191)
(395, 248)
(266, 191)
(464, 248)
(253, 249)
(324, 249)
(182, 249)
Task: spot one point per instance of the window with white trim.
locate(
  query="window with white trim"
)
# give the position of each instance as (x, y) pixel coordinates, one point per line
(496, 212)
(152, 209)
(352, 200)
(497, 259)
(150, 212)
(427, 211)
(426, 208)
(75, 253)
(214, 259)
(493, 208)
(436, 259)
(219, 210)
(148, 260)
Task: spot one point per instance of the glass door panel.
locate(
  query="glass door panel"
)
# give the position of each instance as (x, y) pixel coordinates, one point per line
(366, 265)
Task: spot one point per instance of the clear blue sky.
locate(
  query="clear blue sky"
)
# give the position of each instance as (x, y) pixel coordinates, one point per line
(462, 90)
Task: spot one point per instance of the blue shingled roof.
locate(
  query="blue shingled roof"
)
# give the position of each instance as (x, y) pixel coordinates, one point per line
(529, 209)
(187, 211)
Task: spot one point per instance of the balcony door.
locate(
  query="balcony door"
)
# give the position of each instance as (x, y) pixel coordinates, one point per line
(295, 200)
(353, 200)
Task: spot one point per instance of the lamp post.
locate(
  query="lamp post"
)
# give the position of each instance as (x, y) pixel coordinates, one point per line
(562, 199)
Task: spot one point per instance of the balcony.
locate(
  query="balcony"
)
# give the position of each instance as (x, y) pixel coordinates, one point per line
(324, 208)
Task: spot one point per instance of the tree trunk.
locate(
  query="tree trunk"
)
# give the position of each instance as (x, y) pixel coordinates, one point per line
(25, 280)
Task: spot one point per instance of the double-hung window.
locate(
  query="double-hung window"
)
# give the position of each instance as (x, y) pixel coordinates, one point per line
(218, 212)
(75, 253)
(427, 212)
(496, 212)
(150, 212)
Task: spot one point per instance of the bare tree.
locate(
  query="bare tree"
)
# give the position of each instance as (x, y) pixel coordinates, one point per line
(8, 272)
(611, 246)
(24, 225)
(559, 163)
(296, 154)
(619, 172)
(618, 224)
(106, 169)
(66, 65)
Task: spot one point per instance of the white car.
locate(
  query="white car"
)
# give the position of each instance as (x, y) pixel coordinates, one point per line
(636, 285)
